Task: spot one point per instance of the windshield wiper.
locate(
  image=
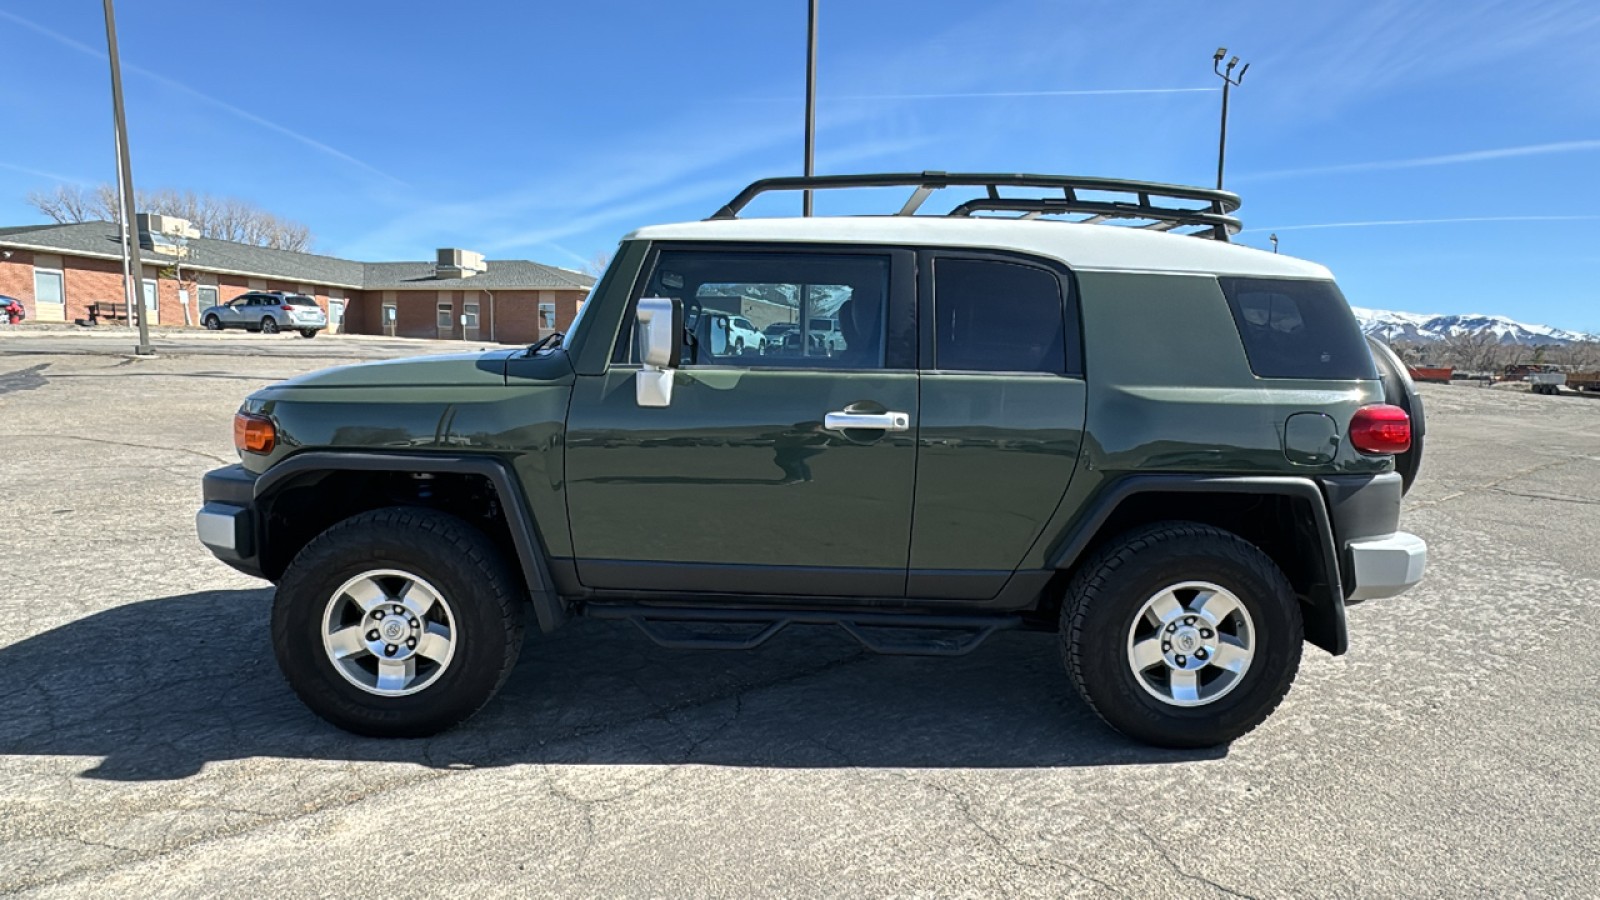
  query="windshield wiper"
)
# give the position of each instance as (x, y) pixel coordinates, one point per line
(551, 340)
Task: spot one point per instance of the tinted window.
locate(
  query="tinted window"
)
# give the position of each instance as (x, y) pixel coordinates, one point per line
(301, 300)
(996, 316)
(1297, 329)
(773, 293)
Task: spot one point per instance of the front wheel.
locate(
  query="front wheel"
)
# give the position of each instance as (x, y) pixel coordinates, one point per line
(213, 323)
(1181, 635)
(269, 325)
(399, 622)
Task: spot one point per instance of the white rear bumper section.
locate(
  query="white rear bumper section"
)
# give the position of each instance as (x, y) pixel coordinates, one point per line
(1386, 566)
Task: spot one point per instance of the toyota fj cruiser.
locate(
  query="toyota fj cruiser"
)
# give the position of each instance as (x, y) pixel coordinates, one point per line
(1176, 453)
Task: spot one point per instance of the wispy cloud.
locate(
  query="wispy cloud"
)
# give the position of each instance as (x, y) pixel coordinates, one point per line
(1446, 221)
(41, 173)
(244, 114)
(1421, 162)
(965, 95)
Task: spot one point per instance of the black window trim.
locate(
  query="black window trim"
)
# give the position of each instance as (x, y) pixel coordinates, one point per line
(1071, 311)
(900, 308)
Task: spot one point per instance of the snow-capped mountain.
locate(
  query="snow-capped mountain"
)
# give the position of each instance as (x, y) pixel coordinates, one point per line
(1404, 326)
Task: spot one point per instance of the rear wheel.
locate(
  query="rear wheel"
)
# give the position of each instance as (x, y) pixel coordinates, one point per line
(308, 333)
(1181, 635)
(269, 325)
(397, 623)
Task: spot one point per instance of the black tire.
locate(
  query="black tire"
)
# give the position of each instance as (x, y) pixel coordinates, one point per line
(1108, 592)
(308, 333)
(458, 560)
(1400, 390)
(269, 325)
(213, 323)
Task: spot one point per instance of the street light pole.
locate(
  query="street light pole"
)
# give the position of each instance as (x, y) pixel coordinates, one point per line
(1229, 80)
(125, 169)
(811, 101)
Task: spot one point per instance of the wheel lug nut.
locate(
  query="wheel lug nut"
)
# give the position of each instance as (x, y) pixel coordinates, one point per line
(1207, 633)
(399, 610)
(411, 644)
(1172, 627)
(377, 615)
(1166, 646)
(390, 649)
(1183, 660)
(372, 635)
(1188, 620)
(1201, 653)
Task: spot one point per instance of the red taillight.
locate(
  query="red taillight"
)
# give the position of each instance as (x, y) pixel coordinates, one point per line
(287, 308)
(1381, 429)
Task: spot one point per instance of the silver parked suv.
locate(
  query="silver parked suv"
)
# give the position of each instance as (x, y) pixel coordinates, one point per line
(268, 312)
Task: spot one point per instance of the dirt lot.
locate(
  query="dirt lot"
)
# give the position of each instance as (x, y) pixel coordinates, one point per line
(148, 744)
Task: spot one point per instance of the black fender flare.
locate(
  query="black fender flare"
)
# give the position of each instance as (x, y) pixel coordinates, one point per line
(1324, 619)
(548, 608)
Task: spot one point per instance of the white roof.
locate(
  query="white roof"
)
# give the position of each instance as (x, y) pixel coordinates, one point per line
(1082, 247)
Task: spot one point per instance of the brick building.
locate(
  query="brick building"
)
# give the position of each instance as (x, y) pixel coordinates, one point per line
(57, 271)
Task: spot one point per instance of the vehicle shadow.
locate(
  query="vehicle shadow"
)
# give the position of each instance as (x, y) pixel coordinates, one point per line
(159, 688)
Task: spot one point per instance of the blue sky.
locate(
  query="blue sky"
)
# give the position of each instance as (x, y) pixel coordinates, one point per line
(547, 131)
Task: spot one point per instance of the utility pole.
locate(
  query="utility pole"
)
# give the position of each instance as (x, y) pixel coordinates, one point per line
(125, 169)
(811, 101)
(1229, 80)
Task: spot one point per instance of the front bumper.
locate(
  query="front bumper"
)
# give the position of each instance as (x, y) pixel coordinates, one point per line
(1385, 566)
(226, 523)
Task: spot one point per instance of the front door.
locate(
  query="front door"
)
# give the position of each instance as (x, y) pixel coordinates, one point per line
(151, 305)
(49, 295)
(469, 321)
(742, 484)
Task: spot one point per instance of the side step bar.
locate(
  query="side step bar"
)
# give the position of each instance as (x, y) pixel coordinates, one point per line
(944, 635)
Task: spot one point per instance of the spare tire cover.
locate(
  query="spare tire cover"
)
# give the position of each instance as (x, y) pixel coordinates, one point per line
(1399, 390)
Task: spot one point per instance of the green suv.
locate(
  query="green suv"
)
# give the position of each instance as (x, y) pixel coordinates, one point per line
(1178, 454)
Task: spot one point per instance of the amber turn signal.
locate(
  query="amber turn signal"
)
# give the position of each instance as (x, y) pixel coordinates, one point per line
(253, 433)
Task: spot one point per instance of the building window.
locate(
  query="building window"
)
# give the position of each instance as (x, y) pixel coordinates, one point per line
(208, 296)
(446, 310)
(469, 315)
(48, 287)
(547, 316)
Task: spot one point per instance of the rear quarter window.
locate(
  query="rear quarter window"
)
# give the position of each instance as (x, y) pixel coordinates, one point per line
(1297, 329)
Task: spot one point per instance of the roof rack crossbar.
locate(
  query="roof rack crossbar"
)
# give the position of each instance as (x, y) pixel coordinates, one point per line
(1153, 201)
(1100, 211)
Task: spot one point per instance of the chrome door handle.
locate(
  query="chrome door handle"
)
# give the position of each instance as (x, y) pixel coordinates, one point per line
(889, 421)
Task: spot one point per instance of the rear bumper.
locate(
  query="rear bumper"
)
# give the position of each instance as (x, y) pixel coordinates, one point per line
(1385, 566)
(1377, 558)
(226, 523)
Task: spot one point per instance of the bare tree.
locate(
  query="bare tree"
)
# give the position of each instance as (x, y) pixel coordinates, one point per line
(224, 218)
(598, 263)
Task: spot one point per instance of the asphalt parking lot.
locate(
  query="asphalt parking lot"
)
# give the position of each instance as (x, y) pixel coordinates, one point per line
(149, 746)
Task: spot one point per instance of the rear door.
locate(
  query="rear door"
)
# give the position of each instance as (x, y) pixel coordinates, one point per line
(1003, 400)
(743, 484)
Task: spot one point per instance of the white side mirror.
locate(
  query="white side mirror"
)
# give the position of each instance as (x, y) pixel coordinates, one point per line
(660, 341)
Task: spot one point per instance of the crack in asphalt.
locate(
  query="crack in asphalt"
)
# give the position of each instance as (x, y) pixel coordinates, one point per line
(1495, 484)
(737, 694)
(1166, 856)
(964, 804)
(134, 445)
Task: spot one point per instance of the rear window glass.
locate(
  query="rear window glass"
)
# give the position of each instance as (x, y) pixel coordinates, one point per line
(1297, 329)
(301, 300)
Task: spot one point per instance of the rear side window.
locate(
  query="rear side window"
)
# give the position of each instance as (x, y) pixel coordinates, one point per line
(998, 317)
(1297, 329)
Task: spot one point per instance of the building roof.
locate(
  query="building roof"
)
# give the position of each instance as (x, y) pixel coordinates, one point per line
(99, 239)
(1082, 246)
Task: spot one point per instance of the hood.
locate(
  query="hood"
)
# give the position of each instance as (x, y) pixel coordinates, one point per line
(445, 370)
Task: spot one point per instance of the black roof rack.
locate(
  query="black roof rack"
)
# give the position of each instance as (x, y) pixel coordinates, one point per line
(1164, 207)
